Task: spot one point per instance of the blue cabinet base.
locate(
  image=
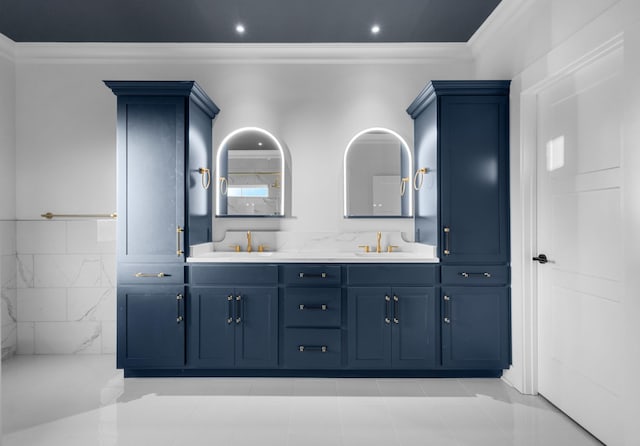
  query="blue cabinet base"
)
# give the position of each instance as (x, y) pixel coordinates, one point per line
(164, 373)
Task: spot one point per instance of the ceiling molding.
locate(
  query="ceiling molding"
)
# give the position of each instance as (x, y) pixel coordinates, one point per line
(506, 11)
(7, 48)
(207, 53)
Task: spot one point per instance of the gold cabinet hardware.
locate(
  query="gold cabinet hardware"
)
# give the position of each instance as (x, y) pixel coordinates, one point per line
(261, 248)
(378, 245)
(236, 248)
(158, 275)
(205, 177)
(447, 231)
(418, 178)
(390, 248)
(366, 248)
(179, 231)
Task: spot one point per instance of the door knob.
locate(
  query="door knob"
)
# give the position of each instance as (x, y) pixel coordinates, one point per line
(542, 258)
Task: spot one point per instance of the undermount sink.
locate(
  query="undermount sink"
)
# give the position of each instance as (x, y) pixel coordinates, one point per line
(231, 254)
(395, 254)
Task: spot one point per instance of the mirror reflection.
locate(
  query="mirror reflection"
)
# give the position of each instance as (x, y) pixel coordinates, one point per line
(249, 174)
(377, 172)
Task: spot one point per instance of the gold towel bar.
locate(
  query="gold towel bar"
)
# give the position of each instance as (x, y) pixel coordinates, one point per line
(49, 215)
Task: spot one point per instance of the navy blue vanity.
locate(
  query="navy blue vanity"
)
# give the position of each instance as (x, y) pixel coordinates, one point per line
(271, 317)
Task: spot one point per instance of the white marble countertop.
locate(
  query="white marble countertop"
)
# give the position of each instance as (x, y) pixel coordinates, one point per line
(311, 257)
(283, 247)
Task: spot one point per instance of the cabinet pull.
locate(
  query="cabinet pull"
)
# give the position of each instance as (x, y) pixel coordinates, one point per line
(447, 309)
(313, 348)
(206, 173)
(312, 276)
(470, 275)
(179, 250)
(238, 309)
(396, 309)
(180, 317)
(157, 275)
(322, 307)
(387, 310)
(229, 309)
(447, 249)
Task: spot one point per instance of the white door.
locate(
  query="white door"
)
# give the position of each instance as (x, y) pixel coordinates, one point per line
(580, 290)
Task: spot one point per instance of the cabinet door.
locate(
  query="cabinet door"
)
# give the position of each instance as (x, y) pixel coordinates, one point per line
(212, 327)
(151, 327)
(151, 203)
(413, 327)
(200, 185)
(475, 328)
(474, 179)
(256, 322)
(369, 327)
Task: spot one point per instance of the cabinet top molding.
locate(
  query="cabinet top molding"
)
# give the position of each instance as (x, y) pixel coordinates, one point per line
(455, 87)
(166, 88)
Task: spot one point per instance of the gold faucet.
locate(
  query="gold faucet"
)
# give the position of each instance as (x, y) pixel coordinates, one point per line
(249, 248)
(378, 245)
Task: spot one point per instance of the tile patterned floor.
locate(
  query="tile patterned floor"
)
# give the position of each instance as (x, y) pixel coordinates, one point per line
(83, 400)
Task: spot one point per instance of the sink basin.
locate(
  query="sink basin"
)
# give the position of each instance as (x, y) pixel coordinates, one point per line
(232, 254)
(396, 254)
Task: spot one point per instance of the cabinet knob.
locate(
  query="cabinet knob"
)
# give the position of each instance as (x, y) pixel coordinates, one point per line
(447, 320)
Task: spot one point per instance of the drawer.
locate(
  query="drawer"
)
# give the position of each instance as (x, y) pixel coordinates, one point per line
(150, 273)
(312, 348)
(312, 307)
(475, 275)
(233, 274)
(398, 275)
(312, 274)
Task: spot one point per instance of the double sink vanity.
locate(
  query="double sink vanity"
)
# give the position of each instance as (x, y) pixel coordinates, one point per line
(273, 303)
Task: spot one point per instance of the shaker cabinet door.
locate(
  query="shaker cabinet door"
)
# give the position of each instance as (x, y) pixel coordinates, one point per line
(474, 184)
(370, 315)
(475, 328)
(414, 327)
(151, 199)
(212, 326)
(153, 317)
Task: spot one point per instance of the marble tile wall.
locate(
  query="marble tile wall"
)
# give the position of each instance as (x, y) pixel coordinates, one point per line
(8, 292)
(65, 280)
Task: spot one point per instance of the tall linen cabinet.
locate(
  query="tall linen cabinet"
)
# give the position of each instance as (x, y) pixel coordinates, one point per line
(164, 137)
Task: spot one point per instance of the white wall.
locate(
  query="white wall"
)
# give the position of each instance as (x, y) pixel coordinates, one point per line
(313, 98)
(531, 42)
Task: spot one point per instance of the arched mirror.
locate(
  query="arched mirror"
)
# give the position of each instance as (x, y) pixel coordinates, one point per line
(250, 175)
(377, 175)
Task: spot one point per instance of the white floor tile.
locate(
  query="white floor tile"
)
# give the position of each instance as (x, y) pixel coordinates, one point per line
(83, 400)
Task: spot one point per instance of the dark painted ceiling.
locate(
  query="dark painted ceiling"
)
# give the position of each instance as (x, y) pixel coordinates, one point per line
(265, 21)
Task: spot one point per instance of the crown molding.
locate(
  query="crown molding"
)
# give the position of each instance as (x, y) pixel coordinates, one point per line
(208, 53)
(506, 11)
(7, 48)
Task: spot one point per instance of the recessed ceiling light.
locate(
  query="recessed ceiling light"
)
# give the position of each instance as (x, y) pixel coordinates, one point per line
(240, 28)
(260, 143)
(375, 29)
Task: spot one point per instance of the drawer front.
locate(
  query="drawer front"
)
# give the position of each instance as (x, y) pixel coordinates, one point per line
(150, 273)
(233, 274)
(475, 275)
(399, 275)
(312, 274)
(312, 307)
(312, 348)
